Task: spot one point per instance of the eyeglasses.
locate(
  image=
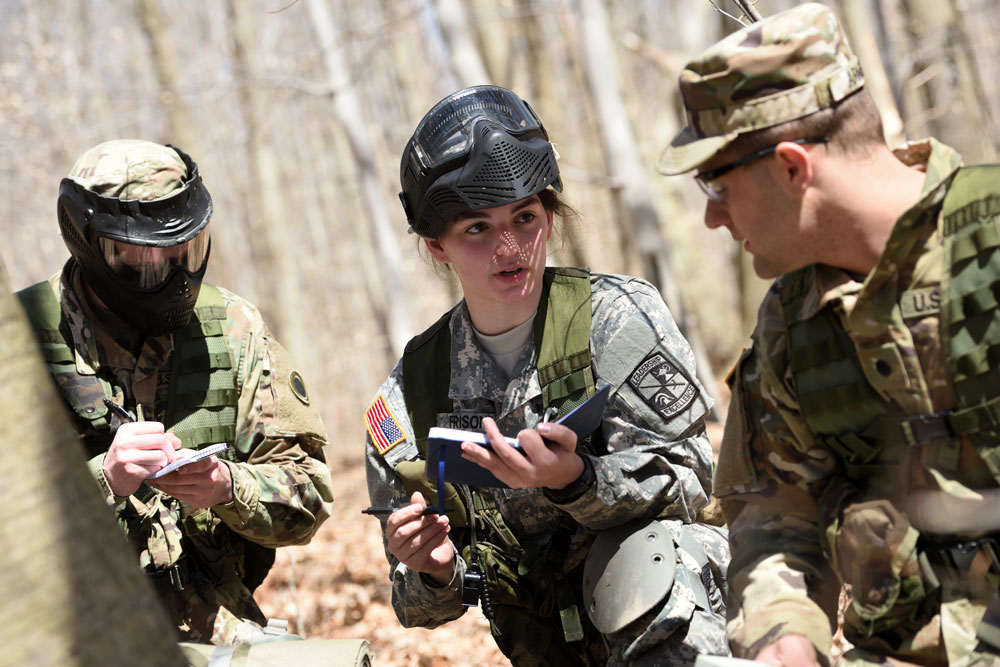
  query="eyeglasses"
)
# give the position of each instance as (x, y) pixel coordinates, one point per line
(717, 193)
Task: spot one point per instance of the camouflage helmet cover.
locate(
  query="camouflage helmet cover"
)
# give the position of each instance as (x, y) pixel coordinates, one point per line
(785, 67)
(130, 169)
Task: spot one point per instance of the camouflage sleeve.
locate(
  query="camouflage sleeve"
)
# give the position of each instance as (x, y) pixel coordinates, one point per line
(770, 477)
(416, 601)
(659, 460)
(281, 484)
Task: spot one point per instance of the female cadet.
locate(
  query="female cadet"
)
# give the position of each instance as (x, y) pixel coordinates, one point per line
(479, 185)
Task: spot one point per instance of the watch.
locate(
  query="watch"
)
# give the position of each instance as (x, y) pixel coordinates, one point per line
(577, 488)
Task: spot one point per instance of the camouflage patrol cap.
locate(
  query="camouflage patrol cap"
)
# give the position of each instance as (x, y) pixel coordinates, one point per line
(130, 169)
(785, 67)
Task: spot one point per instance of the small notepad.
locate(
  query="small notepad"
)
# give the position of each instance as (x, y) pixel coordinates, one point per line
(197, 456)
(446, 442)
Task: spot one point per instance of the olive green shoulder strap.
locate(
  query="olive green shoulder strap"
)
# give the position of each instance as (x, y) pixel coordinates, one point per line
(427, 377)
(41, 304)
(202, 399)
(84, 393)
(562, 338)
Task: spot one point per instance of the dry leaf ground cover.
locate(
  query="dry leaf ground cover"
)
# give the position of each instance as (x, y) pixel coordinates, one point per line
(337, 586)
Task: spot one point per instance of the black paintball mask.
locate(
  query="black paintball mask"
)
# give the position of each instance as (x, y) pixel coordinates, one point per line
(477, 148)
(145, 260)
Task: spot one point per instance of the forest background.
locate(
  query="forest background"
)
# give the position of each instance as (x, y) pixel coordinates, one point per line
(297, 112)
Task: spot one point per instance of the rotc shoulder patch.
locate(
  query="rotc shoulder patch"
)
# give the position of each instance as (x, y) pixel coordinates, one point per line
(662, 385)
(382, 426)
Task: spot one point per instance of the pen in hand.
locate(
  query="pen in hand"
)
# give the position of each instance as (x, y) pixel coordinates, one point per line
(382, 511)
(119, 410)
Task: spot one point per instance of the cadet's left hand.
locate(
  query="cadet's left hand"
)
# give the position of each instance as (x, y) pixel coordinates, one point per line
(553, 464)
(200, 484)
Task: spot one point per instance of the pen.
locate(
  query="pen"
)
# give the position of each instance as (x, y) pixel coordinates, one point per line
(381, 511)
(119, 410)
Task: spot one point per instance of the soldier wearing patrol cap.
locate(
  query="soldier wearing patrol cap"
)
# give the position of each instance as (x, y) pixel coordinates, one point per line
(863, 440)
(591, 551)
(153, 364)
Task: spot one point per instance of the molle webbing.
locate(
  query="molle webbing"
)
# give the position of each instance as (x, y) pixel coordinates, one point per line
(841, 408)
(84, 394)
(971, 291)
(562, 338)
(838, 403)
(201, 406)
(202, 400)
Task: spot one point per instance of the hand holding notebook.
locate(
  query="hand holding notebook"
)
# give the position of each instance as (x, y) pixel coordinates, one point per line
(446, 442)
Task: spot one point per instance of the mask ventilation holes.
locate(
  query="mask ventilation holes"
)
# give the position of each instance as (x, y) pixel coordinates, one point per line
(507, 163)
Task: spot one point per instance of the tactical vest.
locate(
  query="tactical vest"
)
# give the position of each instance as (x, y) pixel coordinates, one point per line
(202, 399)
(516, 572)
(201, 402)
(844, 411)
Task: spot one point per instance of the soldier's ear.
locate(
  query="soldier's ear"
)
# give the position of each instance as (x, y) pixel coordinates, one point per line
(796, 167)
(437, 251)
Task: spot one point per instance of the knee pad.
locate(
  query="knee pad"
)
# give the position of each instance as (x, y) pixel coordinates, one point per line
(629, 570)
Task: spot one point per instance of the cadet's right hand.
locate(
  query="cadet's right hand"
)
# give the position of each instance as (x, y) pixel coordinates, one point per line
(138, 450)
(421, 542)
(789, 651)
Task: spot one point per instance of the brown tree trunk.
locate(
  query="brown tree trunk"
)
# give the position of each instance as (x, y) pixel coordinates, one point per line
(168, 74)
(273, 238)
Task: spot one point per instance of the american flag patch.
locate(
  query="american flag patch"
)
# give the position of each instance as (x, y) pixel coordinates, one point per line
(382, 426)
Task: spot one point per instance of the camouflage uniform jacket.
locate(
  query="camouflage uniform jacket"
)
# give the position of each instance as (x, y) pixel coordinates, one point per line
(775, 478)
(281, 484)
(659, 461)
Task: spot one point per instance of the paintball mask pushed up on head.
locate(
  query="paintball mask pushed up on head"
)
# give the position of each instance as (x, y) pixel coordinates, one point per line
(477, 148)
(134, 215)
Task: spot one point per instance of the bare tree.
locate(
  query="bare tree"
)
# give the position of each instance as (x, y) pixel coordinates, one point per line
(165, 62)
(860, 24)
(268, 221)
(466, 60)
(939, 81)
(632, 188)
(394, 319)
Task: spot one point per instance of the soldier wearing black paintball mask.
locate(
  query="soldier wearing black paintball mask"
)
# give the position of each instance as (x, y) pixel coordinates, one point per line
(155, 365)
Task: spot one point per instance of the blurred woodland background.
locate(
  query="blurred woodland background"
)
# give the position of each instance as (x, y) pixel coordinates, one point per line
(297, 111)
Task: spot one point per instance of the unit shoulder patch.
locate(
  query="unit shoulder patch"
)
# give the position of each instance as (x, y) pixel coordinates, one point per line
(382, 426)
(662, 385)
(298, 386)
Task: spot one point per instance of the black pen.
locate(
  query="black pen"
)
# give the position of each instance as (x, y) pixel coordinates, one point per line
(380, 511)
(119, 410)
